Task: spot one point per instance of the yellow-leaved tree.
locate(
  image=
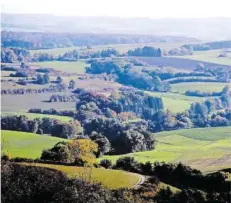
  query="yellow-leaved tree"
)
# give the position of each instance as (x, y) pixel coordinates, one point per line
(83, 151)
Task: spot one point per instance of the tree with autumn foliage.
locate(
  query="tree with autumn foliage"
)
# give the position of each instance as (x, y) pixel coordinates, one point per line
(79, 151)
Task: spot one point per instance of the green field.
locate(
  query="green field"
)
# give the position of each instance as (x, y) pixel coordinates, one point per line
(200, 86)
(69, 67)
(206, 149)
(112, 179)
(176, 102)
(122, 48)
(27, 145)
(210, 56)
(35, 115)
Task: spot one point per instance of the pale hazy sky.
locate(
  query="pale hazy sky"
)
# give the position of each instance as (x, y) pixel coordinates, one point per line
(123, 8)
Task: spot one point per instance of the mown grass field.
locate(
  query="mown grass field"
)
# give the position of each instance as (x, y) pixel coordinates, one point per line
(210, 56)
(26, 145)
(206, 149)
(176, 102)
(200, 86)
(35, 115)
(112, 179)
(69, 67)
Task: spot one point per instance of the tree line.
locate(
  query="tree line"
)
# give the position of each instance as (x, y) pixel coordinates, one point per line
(127, 74)
(45, 125)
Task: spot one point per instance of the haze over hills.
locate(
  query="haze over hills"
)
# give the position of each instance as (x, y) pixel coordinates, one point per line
(207, 29)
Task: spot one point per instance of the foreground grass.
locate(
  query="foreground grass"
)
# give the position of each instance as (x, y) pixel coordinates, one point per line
(206, 149)
(210, 56)
(113, 179)
(199, 86)
(26, 145)
(176, 102)
(37, 115)
(69, 67)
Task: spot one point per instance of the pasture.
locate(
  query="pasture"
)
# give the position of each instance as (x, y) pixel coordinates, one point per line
(210, 56)
(206, 149)
(35, 115)
(26, 145)
(176, 102)
(199, 86)
(69, 67)
(113, 179)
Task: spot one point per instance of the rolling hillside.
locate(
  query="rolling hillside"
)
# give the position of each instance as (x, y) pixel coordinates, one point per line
(206, 149)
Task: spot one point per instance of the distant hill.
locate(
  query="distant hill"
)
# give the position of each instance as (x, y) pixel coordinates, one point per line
(205, 29)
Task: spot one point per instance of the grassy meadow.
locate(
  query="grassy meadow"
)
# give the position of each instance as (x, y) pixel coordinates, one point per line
(113, 179)
(26, 145)
(200, 86)
(206, 149)
(176, 102)
(210, 56)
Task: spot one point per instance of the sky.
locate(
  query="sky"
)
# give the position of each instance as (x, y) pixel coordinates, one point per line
(122, 8)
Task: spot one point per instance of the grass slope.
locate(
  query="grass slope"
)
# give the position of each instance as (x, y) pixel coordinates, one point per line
(206, 149)
(112, 179)
(176, 102)
(27, 145)
(200, 86)
(35, 115)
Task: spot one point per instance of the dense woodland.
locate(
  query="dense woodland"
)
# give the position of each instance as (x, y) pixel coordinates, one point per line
(30, 40)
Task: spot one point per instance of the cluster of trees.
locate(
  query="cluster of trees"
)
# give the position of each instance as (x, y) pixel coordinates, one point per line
(123, 137)
(194, 79)
(42, 126)
(146, 51)
(198, 93)
(199, 112)
(100, 54)
(78, 151)
(209, 46)
(127, 74)
(69, 56)
(43, 79)
(182, 51)
(64, 98)
(11, 55)
(39, 57)
(8, 68)
(22, 74)
(19, 91)
(131, 104)
(70, 113)
(221, 74)
(128, 100)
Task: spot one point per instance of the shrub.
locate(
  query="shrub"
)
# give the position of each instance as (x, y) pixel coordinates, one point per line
(106, 163)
